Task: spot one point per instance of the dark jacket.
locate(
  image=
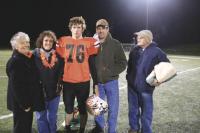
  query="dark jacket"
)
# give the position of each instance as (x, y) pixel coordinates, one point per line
(140, 65)
(50, 77)
(110, 60)
(24, 89)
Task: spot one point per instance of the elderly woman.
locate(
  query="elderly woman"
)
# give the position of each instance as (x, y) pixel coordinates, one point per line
(24, 91)
(142, 59)
(50, 66)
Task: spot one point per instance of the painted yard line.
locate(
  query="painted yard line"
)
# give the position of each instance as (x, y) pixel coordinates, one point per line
(6, 116)
(188, 70)
(61, 103)
(184, 57)
(123, 87)
(3, 77)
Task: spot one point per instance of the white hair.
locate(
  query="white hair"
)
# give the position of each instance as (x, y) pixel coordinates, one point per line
(17, 36)
(147, 34)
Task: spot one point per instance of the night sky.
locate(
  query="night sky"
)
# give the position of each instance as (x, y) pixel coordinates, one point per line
(173, 22)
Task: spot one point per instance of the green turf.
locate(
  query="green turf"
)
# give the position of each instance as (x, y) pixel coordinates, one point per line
(176, 103)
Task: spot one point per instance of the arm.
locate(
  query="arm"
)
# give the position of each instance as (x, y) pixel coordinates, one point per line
(60, 75)
(129, 65)
(162, 57)
(93, 72)
(119, 60)
(60, 47)
(20, 88)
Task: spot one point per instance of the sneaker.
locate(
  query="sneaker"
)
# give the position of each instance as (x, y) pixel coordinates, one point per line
(97, 130)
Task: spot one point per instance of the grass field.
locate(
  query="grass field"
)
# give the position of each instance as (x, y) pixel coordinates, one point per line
(176, 103)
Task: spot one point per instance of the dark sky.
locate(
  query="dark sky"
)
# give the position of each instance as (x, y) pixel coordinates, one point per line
(173, 22)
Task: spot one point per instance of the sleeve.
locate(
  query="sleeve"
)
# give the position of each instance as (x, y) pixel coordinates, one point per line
(20, 88)
(60, 75)
(120, 60)
(162, 57)
(61, 67)
(60, 47)
(93, 70)
(93, 46)
(7, 68)
(129, 64)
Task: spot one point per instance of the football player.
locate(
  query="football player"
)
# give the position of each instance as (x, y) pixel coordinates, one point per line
(76, 50)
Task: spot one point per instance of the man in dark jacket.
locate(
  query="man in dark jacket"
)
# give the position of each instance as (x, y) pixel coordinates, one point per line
(110, 62)
(24, 92)
(142, 59)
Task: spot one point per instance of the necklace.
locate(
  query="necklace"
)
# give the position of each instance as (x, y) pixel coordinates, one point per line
(45, 61)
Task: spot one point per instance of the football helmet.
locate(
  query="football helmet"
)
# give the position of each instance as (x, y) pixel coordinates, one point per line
(163, 72)
(96, 105)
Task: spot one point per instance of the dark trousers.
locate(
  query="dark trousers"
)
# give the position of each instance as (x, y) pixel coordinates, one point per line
(22, 121)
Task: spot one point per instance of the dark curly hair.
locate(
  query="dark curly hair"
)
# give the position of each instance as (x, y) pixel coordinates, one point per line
(43, 34)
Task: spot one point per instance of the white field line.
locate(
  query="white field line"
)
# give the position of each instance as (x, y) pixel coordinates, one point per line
(123, 87)
(11, 115)
(3, 76)
(6, 116)
(184, 57)
(188, 70)
(61, 103)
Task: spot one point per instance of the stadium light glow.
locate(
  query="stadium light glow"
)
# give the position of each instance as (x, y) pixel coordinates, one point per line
(146, 10)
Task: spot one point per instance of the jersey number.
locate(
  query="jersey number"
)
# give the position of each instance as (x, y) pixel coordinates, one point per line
(79, 53)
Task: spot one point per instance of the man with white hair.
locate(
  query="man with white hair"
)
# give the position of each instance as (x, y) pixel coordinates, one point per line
(142, 59)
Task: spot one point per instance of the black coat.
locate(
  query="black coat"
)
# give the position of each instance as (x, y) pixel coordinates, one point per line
(110, 60)
(50, 77)
(24, 89)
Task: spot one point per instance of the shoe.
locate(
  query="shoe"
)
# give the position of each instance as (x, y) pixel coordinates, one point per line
(97, 130)
(68, 129)
(132, 131)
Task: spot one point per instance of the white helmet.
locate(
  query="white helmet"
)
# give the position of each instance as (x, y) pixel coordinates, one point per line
(163, 72)
(96, 105)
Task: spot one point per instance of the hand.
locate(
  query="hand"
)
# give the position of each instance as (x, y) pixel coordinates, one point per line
(96, 113)
(59, 88)
(97, 38)
(28, 109)
(155, 83)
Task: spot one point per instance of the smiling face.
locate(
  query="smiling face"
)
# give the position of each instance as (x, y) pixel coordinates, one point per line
(47, 43)
(102, 32)
(23, 45)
